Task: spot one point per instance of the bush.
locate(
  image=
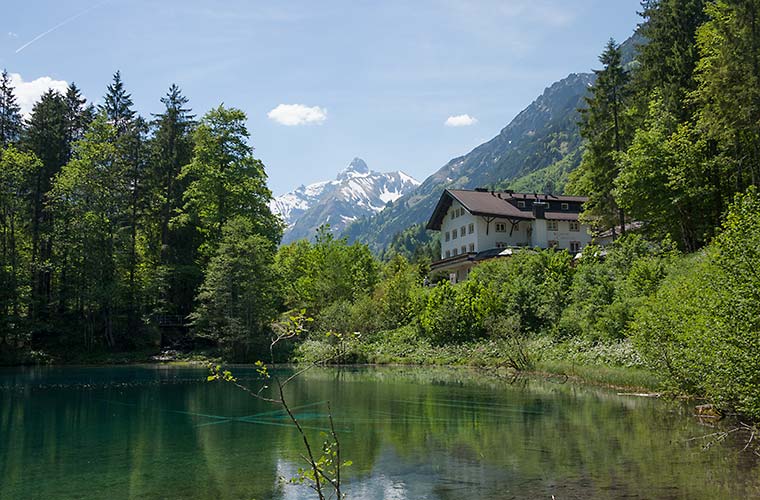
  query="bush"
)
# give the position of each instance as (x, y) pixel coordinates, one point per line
(702, 328)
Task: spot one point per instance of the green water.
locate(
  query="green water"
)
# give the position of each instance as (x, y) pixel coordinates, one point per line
(412, 433)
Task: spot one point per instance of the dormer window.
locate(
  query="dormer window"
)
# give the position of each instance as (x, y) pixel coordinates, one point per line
(565, 206)
(521, 204)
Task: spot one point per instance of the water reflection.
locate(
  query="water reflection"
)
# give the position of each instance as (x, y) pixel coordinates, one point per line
(164, 432)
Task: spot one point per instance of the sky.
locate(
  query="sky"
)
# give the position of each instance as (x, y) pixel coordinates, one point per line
(405, 85)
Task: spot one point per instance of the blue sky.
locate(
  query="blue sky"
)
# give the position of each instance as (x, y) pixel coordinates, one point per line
(375, 79)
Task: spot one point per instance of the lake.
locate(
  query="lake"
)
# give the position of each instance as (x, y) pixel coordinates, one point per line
(412, 433)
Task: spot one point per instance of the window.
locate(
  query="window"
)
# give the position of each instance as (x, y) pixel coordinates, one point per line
(575, 226)
(553, 243)
(462, 231)
(501, 244)
(454, 252)
(448, 253)
(471, 228)
(551, 225)
(448, 236)
(516, 227)
(575, 246)
(501, 227)
(520, 204)
(453, 215)
(454, 234)
(472, 247)
(565, 206)
(464, 249)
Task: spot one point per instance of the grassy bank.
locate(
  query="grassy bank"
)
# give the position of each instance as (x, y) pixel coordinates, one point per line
(614, 364)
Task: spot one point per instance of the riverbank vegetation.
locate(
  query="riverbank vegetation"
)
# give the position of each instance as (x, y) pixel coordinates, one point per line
(121, 233)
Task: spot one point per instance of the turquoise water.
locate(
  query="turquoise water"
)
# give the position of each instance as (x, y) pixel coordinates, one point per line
(412, 433)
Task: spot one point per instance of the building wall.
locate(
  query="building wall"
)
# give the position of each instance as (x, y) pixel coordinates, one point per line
(449, 225)
(528, 233)
(494, 239)
(562, 236)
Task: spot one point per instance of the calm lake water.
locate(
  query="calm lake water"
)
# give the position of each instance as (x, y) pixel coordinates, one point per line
(412, 433)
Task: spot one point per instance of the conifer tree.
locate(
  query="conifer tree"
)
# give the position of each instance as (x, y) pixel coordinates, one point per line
(603, 125)
(10, 112)
(174, 248)
(670, 56)
(118, 105)
(78, 113)
(46, 136)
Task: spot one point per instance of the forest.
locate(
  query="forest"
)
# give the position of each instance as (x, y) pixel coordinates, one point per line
(112, 222)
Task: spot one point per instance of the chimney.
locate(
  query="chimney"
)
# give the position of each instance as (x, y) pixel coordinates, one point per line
(539, 209)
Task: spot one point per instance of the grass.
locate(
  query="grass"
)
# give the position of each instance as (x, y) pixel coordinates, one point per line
(612, 364)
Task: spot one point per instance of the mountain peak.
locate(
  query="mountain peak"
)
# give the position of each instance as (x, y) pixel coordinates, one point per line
(355, 168)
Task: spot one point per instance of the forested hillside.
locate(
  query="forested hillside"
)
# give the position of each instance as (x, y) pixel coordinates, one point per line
(671, 142)
(535, 152)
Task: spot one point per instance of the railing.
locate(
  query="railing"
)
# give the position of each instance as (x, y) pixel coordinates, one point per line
(170, 320)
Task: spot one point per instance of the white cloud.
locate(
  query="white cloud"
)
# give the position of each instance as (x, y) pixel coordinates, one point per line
(27, 93)
(297, 114)
(460, 121)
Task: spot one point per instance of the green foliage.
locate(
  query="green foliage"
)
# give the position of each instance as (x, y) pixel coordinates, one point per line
(701, 327)
(240, 295)
(11, 123)
(455, 313)
(605, 292)
(225, 180)
(328, 270)
(530, 286)
(606, 128)
(17, 172)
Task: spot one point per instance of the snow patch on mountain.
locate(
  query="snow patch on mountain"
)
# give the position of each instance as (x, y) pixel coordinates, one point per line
(356, 192)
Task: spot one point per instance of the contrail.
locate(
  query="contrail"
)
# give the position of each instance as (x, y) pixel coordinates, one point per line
(59, 25)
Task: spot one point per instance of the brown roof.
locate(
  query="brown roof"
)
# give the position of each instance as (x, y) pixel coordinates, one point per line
(561, 215)
(497, 204)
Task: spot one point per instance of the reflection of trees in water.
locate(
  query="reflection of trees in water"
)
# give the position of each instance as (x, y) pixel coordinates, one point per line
(410, 433)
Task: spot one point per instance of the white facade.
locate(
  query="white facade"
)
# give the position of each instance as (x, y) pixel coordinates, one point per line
(481, 233)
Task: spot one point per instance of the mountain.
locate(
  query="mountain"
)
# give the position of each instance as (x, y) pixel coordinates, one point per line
(535, 152)
(539, 137)
(356, 192)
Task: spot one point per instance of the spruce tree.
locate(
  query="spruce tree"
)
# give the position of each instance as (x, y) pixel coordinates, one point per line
(10, 113)
(118, 105)
(78, 113)
(46, 136)
(606, 131)
(175, 249)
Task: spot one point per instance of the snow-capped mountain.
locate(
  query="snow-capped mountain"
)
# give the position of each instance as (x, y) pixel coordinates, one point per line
(357, 191)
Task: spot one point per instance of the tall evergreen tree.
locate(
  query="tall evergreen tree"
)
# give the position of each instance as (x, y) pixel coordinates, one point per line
(10, 112)
(78, 113)
(670, 56)
(172, 149)
(117, 104)
(605, 128)
(174, 247)
(729, 89)
(46, 136)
